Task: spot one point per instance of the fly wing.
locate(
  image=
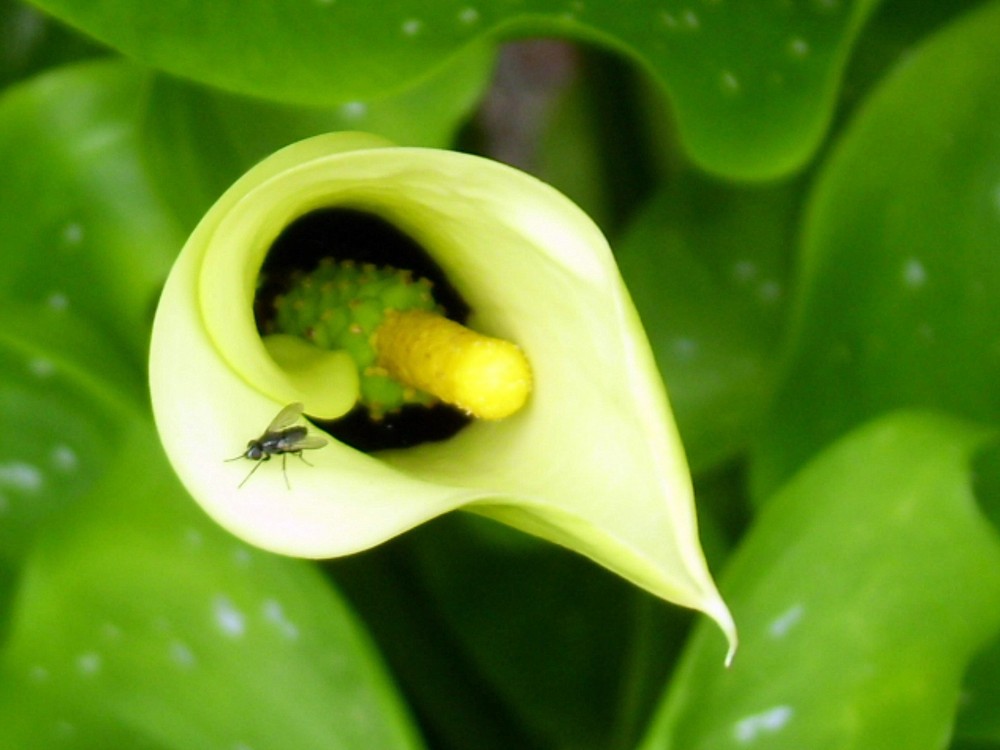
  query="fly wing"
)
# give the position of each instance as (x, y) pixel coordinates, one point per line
(285, 417)
(309, 442)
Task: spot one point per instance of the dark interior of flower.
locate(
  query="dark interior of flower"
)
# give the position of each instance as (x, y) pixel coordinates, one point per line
(350, 235)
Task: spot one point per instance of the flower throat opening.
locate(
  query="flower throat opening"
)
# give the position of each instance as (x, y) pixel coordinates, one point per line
(352, 238)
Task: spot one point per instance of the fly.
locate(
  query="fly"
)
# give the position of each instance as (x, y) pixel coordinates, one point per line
(281, 438)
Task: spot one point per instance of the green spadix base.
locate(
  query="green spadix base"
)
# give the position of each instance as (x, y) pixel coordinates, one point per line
(341, 305)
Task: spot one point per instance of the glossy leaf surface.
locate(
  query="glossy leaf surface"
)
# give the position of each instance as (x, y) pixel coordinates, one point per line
(863, 589)
(753, 84)
(707, 266)
(198, 140)
(900, 279)
(138, 617)
(82, 230)
(85, 246)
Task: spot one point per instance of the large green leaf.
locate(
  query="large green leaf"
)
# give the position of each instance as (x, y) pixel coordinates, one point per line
(198, 140)
(139, 616)
(707, 267)
(900, 277)
(861, 592)
(64, 391)
(753, 85)
(81, 230)
(137, 622)
(84, 245)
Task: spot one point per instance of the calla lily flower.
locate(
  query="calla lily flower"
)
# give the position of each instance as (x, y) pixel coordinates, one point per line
(593, 460)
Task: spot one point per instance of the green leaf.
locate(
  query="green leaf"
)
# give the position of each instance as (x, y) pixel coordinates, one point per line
(33, 42)
(138, 614)
(84, 247)
(81, 230)
(564, 680)
(978, 718)
(64, 391)
(890, 35)
(707, 266)
(863, 589)
(199, 140)
(753, 86)
(965, 744)
(132, 608)
(900, 284)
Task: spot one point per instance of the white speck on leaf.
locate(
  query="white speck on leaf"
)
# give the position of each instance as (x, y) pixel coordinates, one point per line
(769, 291)
(228, 618)
(798, 47)
(783, 623)
(914, 273)
(242, 557)
(41, 367)
(275, 614)
(685, 349)
(18, 475)
(57, 301)
(744, 270)
(691, 19)
(353, 110)
(729, 82)
(73, 233)
(89, 663)
(63, 458)
(194, 538)
(182, 655)
(468, 15)
(772, 720)
(412, 26)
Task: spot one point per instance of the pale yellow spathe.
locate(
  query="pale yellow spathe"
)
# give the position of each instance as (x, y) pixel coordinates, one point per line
(592, 461)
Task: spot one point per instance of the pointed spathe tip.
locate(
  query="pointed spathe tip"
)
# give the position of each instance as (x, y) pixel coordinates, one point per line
(719, 612)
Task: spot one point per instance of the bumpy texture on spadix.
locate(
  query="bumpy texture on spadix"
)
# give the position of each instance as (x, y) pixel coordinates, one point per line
(340, 306)
(592, 462)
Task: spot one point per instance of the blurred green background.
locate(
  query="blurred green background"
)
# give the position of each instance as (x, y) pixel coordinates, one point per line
(804, 200)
